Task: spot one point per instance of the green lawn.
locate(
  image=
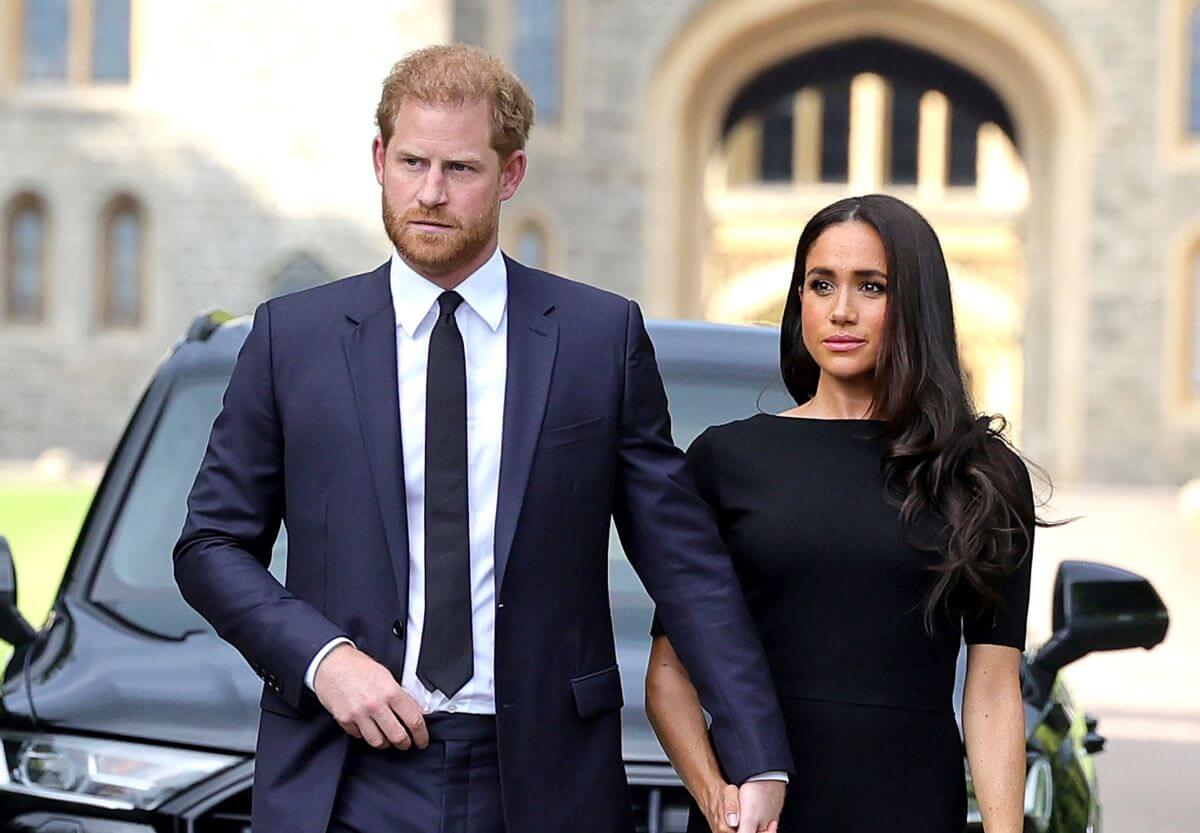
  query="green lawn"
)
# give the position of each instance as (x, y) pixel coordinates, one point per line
(40, 521)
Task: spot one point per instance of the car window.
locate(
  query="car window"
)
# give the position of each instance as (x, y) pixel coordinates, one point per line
(696, 403)
(135, 580)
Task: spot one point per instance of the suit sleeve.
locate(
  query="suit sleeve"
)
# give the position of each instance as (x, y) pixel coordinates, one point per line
(699, 466)
(234, 512)
(671, 539)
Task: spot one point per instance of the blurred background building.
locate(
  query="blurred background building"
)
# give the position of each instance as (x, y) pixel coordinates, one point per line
(157, 159)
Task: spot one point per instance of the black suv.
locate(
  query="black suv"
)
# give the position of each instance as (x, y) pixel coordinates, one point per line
(125, 712)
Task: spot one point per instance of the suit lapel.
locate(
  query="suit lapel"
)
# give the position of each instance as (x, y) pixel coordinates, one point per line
(371, 355)
(532, 345)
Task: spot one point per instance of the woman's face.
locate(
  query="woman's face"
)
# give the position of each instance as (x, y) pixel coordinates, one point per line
(844, 300)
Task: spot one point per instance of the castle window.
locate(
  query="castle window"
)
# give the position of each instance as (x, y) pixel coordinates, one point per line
(861, 112)
(1194, 73)
(964, 145)
(537, 54)
(25, 272)
(45, 38)
(122, 257)
(110, 40)
(905, 131)
(77, 41)
(1193, 278)
(531, 246)
(835, 131)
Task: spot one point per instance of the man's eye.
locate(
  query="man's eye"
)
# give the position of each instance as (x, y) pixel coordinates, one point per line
(411, 162)
(459, 167)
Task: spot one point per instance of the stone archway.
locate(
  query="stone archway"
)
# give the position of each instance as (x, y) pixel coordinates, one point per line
(1009, 46)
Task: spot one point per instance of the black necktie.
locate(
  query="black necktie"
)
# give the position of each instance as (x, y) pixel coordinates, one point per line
(447, 656)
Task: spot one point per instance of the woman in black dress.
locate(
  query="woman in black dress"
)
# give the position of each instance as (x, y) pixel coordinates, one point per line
(871, 527)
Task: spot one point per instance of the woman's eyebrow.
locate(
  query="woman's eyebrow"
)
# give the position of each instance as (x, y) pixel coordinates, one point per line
(825, 271)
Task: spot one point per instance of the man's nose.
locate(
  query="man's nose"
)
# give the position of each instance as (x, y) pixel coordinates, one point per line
(433, 189)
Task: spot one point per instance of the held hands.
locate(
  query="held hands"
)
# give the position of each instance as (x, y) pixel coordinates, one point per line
(752, 808)
(720, 806)
(367, 702)
(761, 803)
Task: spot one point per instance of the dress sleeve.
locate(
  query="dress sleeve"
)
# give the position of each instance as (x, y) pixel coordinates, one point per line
(699, 466)
(1008, 627)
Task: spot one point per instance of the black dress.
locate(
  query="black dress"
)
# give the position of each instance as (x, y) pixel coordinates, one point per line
(836, 593)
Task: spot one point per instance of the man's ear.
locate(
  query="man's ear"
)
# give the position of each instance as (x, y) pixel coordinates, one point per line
(512, 174)
(378, 153)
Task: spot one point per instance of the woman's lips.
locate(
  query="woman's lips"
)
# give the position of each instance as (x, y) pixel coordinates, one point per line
(843, 345)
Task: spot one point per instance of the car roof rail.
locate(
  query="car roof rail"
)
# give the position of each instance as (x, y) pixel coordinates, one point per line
(205, 324)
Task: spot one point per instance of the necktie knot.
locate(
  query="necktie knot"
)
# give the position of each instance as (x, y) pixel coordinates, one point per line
(448, 302)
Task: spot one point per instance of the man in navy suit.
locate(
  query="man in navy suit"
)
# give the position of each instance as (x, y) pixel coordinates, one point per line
(446, 439)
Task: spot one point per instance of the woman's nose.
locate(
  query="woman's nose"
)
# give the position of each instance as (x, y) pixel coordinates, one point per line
(843, 311)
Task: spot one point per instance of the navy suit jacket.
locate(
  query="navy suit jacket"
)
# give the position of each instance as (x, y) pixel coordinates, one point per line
(310, 435)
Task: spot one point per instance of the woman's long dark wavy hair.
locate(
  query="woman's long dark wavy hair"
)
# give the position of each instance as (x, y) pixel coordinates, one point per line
(942, 459)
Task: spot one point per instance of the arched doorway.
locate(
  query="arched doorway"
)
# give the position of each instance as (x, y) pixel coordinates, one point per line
(863, 116)
(1010, 48)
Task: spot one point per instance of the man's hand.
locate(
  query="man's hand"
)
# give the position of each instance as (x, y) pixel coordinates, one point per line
(368, 703)
(761, 802)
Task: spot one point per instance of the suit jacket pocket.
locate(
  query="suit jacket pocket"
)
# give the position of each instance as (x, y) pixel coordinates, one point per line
(576, 433)
(272, 702)
(598, 693)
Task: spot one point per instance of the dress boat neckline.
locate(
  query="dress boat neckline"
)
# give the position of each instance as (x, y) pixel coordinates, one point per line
(821, 419)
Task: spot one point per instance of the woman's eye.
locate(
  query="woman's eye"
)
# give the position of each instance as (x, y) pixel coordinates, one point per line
(820, 285)
(875, 288)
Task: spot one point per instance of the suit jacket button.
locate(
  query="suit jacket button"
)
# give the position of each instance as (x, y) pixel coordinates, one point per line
(398, 629)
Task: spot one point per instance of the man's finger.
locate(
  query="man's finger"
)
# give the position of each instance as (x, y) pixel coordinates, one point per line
(371, 734)
(395, 732)
(406, 709)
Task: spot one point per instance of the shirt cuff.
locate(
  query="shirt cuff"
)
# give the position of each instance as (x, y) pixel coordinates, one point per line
(773, 775)
(310, 676)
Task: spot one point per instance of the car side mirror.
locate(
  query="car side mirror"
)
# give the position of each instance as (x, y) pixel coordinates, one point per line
(1099, 608)
(13, 627)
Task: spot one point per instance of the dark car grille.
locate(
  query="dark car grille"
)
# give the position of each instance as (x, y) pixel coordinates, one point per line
(230, 815)
(659, 809)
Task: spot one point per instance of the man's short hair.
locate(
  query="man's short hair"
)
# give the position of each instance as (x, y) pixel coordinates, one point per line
(459, 74)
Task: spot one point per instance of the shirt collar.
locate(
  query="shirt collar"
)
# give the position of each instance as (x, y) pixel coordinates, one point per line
(485, 290)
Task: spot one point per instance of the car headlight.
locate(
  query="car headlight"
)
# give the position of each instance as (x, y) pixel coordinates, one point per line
(103, 773)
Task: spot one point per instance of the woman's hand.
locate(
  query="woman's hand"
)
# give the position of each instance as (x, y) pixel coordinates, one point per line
(721, 809)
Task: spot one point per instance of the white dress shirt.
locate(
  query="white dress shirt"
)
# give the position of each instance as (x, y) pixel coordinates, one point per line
(482, 319)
